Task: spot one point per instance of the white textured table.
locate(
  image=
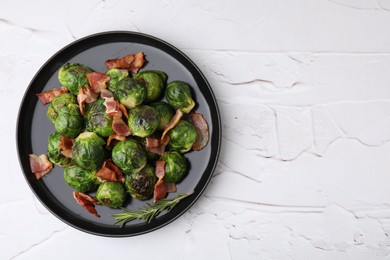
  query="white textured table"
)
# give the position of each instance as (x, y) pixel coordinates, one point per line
(304, 93)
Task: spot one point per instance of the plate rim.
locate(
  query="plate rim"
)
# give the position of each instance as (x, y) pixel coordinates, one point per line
(217, 129)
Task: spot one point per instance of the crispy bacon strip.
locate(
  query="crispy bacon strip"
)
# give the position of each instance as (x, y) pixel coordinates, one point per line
(105, 93)
(152, 142)
(97, 81)
(156, 146)
(40, 165)
(86, 202)
(202, 129)
(111, 106)
(47, 96)
(85, 95)
(66, 145)
(111, 138)
(119, 126)
(160, 169)
(110, 172)
(175, 119)
(161, 188)
(123, 109)
(132, 62)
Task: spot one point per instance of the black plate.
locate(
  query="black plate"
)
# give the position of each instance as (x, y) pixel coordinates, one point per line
(33, 129)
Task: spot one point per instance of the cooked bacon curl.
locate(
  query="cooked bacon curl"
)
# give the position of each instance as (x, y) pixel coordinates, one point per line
(202, 129)
(86, 202)
(40, 165)
(97, 81)
(85, 95)
(66, 145)
(110, 172)
(47, 96)
(161, 188)
(132, 62)
(114, 137)
(174, 121)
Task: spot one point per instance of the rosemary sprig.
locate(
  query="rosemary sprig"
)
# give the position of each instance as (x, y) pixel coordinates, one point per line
(149, 212)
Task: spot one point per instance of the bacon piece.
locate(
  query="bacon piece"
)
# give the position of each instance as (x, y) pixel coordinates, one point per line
(111, 106)
(132, 62)
(119, 126)
(157, 146)
(123, 109)
(66, 145)
(202, 129)
(152, 142)
(47, 96)
(160, 169)
(170, 187)
(113, 137)
(161, 188)
(105, 93)
(85, 95)
(97, 81)
(175, 119)
(40, 165)
(86, 202)
(110, 172)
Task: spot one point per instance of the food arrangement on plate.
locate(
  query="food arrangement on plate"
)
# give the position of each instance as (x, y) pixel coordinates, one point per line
(121, 135)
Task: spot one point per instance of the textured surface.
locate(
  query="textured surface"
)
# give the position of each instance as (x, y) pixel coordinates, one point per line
(304, 93)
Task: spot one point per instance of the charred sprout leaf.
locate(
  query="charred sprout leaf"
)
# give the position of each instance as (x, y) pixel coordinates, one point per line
(166, 113)
(178, 95)
(129, 156)
(88, 151)
(81, 179)
(69, 122)
(111, 194)
(97, 120)
(129, 92)
(54, 151)
(72, 76)
(182, 136)
(143, 121)
(150, 212)
(115, 76)
(59, 102)
(140, 185)
(175, 166)
(154, 81)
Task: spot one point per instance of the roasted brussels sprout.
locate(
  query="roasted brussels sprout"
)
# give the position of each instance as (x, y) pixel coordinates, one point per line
(166, 113)
(72, 76)
(154, 81)
(115, 76)
(129, 92)
(111, 194)
(129, 156)
(88, 151)
(81, 179)
(178, 95)
(54, 151)
(143, 120)
(96, 119)
(140, 185)
(182, 136)
(59, 102)
(69, 121)
(175, 166)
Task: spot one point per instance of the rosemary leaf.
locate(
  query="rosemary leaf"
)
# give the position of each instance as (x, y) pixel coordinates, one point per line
(149, 212)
